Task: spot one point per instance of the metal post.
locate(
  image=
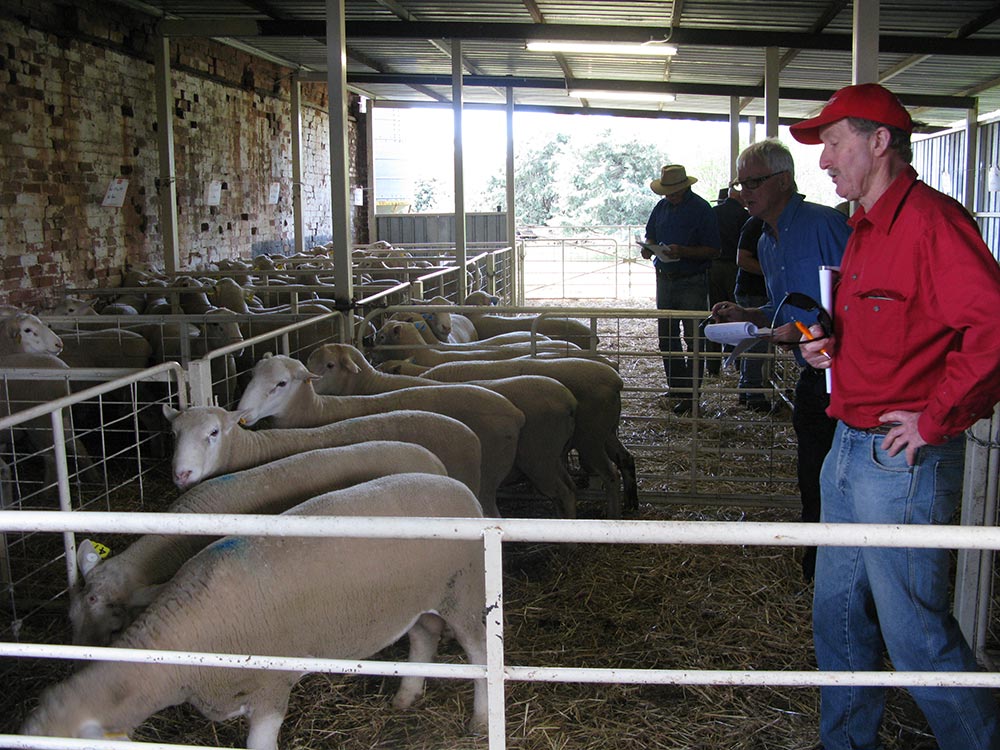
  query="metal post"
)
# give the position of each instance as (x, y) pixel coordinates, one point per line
(298, 221)
(456, 103)
(772, 68)
(340, 204)
(165, 146)
(864, 56)
(493, 548)
(511, 197)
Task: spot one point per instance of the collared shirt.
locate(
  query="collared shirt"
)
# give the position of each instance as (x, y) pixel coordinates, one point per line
(691, 222)
(915, 315)
(807, 236)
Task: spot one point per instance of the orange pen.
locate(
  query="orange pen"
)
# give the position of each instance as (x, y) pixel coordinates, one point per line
(809, 337)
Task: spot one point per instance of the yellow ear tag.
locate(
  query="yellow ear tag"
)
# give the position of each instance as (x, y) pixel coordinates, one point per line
(115, 736)
(248, 295)
(101, 550)
(243, 420)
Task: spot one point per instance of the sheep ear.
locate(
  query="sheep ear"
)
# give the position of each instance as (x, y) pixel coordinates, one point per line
(87, 557)
(170, 413)
(234, 419)
(346, 361)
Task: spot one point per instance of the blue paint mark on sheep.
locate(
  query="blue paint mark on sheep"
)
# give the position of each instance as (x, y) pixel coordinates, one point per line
(229, 544)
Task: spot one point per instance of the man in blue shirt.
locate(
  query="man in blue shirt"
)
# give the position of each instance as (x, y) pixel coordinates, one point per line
(684, 227)
(798, 238)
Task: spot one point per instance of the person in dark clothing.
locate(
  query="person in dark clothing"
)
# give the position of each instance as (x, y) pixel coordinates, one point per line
(722, 275)
(751, 291)
(683, 235)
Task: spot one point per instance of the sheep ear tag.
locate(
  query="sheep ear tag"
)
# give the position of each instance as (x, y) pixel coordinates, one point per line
(88, 557)
(102, 550)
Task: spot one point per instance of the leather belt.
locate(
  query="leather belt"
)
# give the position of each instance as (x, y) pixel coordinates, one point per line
(882, 429)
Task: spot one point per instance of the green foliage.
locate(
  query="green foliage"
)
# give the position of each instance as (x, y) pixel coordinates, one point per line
(537, 193)
(610, 182)
(428, 193)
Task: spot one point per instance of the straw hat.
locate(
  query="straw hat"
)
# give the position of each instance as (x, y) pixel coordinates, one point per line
(673, 179)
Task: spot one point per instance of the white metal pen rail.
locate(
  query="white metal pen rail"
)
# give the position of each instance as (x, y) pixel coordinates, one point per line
(493, 533)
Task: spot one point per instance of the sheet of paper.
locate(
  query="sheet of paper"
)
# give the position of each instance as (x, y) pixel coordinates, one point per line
(827, 277)
(658, 251)
(734, 333)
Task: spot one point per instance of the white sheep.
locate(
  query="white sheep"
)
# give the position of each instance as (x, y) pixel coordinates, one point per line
(232, 296)
(547, 405)
(447, 326)
(281, 387)
(407, 342)
(566, 329)
(114, 347)
(19, 394)
(423, 323)
(334, 598)
(597, 388)
(24, 333)
(111, 593)
(209, 441)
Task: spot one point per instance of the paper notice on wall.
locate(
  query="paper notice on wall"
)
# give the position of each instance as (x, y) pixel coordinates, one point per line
(274, 193)
(115, 195)
(213, 194)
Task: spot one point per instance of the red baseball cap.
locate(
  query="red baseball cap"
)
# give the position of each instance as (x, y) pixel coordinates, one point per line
(868, 101)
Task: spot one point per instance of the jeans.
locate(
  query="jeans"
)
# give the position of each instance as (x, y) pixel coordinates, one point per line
(752, 368)
(685, 293)
(866, 597)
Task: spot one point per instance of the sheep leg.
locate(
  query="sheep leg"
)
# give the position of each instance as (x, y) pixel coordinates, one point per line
(266, 716)
(596, 457)
(424, 636)
(470, 632)
(626, 466)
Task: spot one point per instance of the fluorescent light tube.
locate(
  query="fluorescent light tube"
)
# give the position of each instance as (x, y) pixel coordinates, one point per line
(655, 49)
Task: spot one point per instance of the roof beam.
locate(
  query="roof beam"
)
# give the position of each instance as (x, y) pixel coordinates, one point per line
(833, 10)
(536, 15)
(696, 89)
(520, 32)
(570, 110)
(971, 27)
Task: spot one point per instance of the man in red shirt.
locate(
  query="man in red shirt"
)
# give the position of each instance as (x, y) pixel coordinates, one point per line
(915, 358)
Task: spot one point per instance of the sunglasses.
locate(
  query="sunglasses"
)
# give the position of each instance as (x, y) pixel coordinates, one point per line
(807, 304)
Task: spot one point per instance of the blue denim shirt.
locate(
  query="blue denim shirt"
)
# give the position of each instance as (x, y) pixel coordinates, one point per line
(808, 236)
(690, 222)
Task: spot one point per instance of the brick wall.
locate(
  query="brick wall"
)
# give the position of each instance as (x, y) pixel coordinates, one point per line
(78, 110)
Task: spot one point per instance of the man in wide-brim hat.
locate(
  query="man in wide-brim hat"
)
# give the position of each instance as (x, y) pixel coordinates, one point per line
(684, 227)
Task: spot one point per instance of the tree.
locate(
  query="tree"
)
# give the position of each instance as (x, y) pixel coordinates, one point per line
(610, 182)
(536, 190)
(427, 194)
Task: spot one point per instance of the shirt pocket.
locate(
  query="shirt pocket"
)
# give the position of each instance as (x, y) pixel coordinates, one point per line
(880, 314)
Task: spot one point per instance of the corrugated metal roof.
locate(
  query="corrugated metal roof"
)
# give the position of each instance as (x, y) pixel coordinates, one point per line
(720, 47)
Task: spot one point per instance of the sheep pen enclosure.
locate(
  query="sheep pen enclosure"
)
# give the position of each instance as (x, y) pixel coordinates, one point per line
(622, 606)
